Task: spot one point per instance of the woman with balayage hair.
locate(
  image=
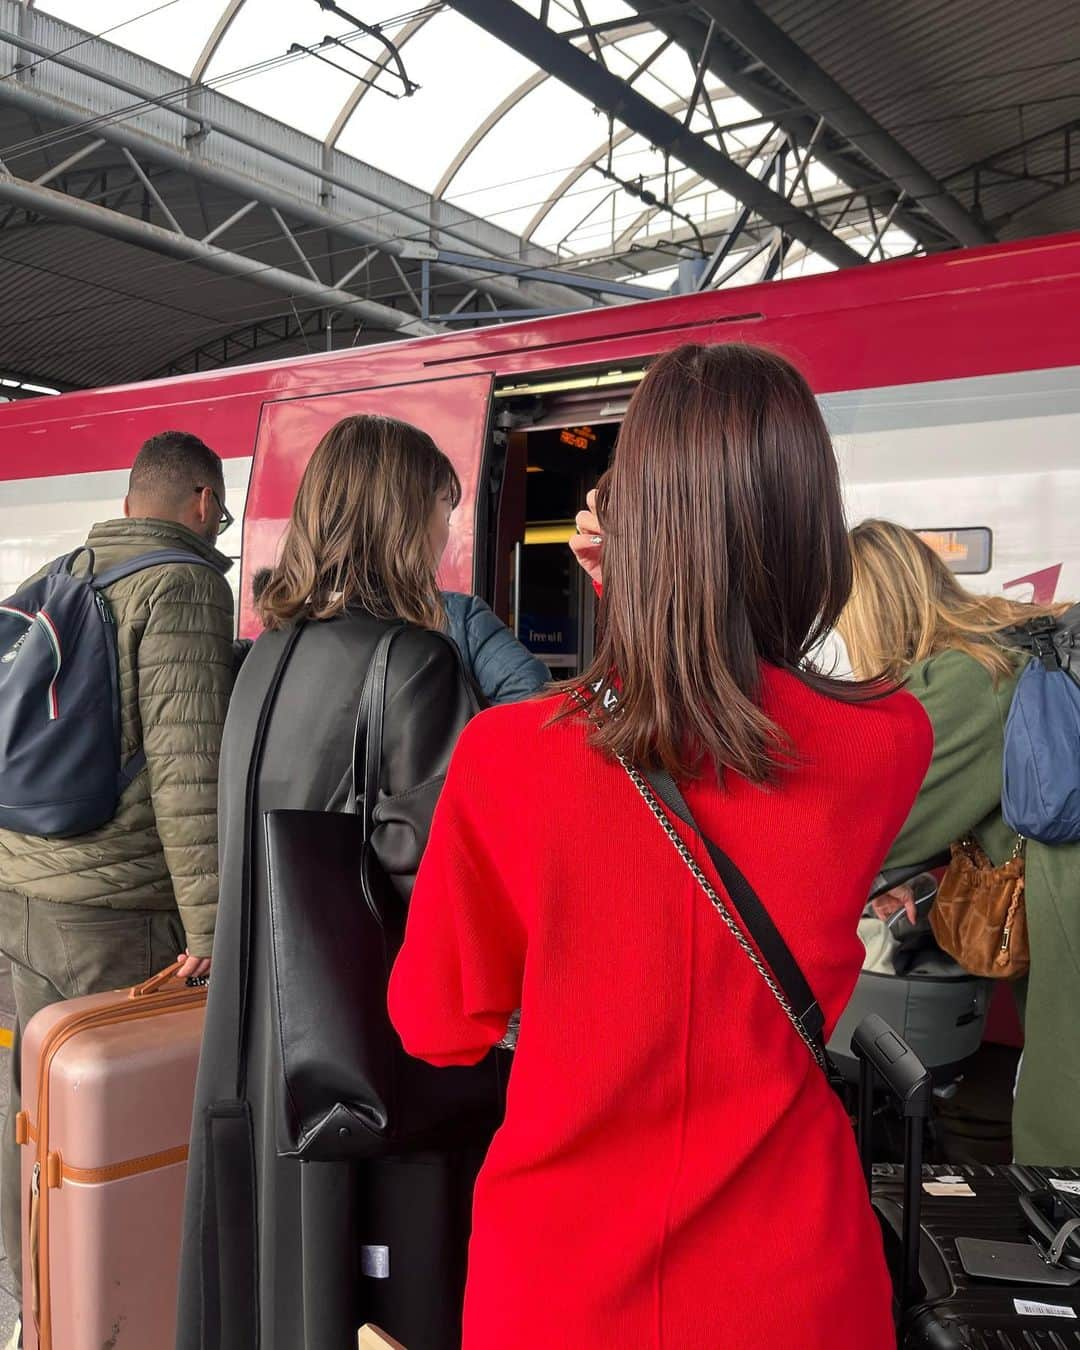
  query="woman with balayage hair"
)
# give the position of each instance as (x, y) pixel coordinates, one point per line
(281, 1254)
(911, 619)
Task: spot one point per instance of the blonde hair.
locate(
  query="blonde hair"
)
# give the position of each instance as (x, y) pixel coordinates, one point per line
(359, 530)
(906, 605)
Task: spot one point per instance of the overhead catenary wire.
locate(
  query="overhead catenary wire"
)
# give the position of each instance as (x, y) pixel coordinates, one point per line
(376, 215)
(393, 210)
(50, 140)
(242, 138)
(90, 37)
(222, 327)
(379, 214)
(187, 90)
(397, 293)
(381, 295)
(794, 107)
(117, 115)
(419, 234)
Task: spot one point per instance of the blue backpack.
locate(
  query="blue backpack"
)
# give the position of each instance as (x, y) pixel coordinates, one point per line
(1040, 796)
(60, 769)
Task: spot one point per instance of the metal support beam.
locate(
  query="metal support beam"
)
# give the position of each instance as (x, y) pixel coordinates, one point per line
(755, 31)
(744, 261)
(144, 179)
(731, 238)
(70, 162)
(879, 234)
(228, 224)
(302, 257)
(357, 268)
(749, 81)
(580, 281)
(410, 289)
(216, 38)
(515, 26)
(148, 148)
(143, 234)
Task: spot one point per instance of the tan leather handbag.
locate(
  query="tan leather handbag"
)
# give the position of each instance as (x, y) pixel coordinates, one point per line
(979, 916)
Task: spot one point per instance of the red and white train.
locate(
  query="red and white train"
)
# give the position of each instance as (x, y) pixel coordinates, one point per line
(951, 385)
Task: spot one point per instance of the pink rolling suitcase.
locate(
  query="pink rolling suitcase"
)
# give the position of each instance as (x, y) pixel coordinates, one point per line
(108, 1089)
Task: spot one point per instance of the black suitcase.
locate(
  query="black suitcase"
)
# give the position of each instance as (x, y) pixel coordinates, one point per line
(1018, 1301)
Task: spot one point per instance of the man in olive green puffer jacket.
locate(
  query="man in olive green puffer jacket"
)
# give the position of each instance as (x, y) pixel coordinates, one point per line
(108, 909)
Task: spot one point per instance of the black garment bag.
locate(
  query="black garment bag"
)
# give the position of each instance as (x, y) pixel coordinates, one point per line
(348, 1090)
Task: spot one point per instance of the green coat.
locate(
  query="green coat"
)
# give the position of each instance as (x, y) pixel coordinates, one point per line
(962, 795)
(174, 633)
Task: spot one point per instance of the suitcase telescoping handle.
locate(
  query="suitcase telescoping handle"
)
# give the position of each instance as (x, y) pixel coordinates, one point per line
(883, 1054)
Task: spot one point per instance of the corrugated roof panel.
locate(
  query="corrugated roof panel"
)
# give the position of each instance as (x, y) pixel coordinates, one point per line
(955, 83)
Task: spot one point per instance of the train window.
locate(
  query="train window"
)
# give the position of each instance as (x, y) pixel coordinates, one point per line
(968, 550)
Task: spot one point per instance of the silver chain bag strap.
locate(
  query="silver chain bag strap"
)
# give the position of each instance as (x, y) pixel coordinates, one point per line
(814, 1043)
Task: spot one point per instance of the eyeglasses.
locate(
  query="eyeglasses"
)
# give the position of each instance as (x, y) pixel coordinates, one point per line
(226, 517)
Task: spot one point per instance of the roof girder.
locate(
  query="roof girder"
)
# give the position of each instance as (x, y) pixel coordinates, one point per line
(753, 30)
(760, 87)
(516, 27)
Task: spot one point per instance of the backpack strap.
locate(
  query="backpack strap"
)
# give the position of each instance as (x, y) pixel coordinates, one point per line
(132, 769)
(1052, 641)
(132, 567)
(145, 560)
(68, 561)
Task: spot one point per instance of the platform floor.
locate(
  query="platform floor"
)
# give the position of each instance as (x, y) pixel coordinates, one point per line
(8, 1306)
(972, 1128)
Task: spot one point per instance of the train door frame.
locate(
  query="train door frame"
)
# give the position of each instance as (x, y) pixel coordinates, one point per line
(546, 400)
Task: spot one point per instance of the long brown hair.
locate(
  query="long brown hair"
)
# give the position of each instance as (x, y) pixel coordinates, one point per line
(358, 533)
(906, 605)
(724, 547)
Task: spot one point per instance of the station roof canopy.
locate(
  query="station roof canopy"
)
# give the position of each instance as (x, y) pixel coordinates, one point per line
(205, 181)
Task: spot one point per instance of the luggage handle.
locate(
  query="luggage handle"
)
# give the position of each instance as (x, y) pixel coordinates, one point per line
(891, 877)
(881, 1052)
(155, 982)
(374, 1338)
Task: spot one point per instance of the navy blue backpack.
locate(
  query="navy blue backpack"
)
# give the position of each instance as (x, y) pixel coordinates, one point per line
(60, 769)
(1040, 796)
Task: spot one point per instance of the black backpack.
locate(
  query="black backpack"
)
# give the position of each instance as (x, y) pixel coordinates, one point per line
(60, 769)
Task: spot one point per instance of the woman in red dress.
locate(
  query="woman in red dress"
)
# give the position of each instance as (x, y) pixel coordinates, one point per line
(674, 1171)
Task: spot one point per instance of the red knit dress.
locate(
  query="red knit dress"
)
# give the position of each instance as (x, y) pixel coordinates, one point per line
(674, 1173)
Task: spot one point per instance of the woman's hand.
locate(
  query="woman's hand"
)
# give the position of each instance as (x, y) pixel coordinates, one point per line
(588, 543)
(901, 897)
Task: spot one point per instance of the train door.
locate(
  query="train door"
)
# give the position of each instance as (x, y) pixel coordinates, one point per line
(454, 411)
(554, 437)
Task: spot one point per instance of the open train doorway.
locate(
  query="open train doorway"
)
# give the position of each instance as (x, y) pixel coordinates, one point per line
(554, 439)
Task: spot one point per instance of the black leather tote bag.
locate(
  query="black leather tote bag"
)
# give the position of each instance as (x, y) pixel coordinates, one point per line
(348, 1090)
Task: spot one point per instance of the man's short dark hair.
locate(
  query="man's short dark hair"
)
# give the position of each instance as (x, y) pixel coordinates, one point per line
(173, 464)
(260, 581)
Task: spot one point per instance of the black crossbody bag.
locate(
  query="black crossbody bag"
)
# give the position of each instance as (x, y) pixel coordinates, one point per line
(767, 952)
(347, 1089)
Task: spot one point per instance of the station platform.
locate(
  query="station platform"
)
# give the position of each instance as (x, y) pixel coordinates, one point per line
(8, 1307)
